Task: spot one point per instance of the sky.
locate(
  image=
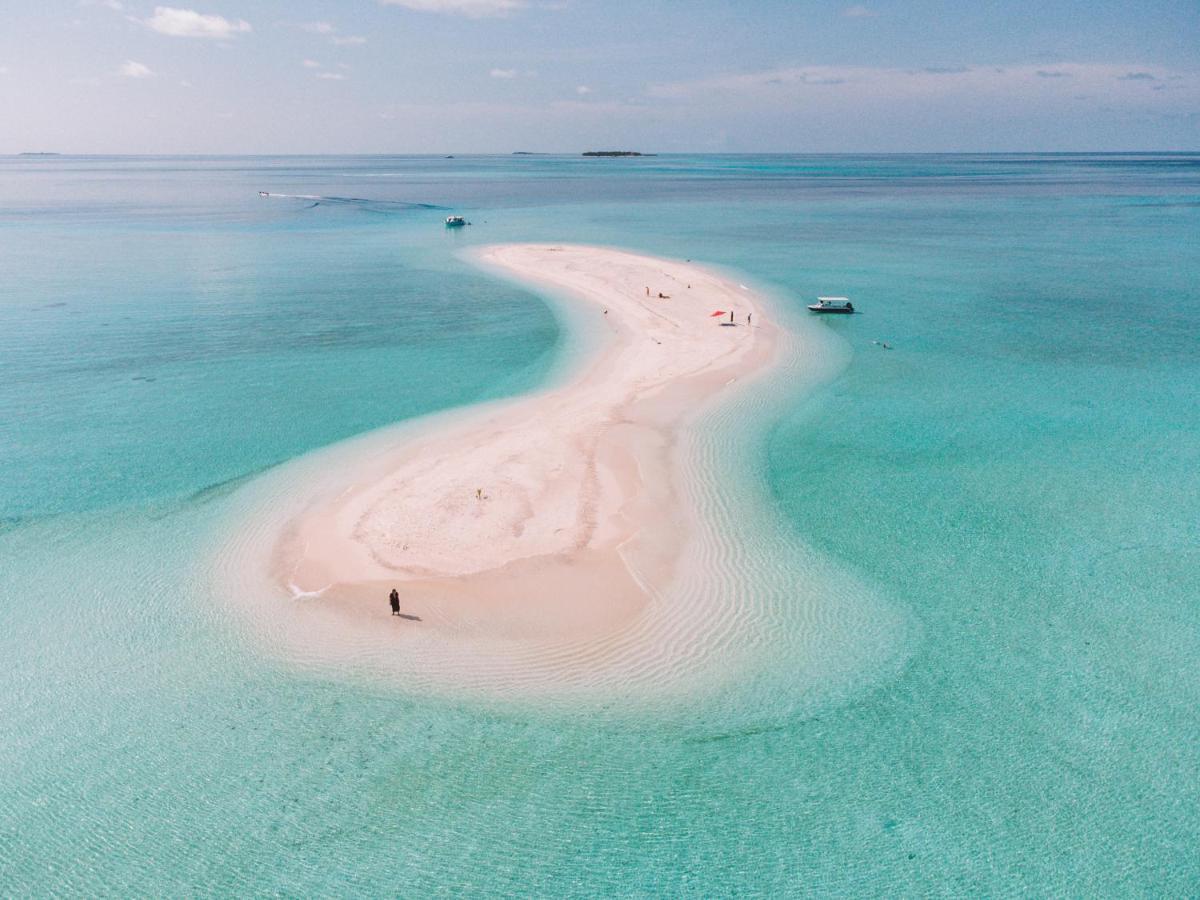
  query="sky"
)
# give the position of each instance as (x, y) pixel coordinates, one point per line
(480, 76)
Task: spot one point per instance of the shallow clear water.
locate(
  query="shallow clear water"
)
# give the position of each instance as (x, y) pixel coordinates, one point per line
(1019, 475)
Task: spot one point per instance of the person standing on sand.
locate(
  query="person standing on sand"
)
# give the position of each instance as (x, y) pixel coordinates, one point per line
(731, 317)
(748, 317)
(394, 600)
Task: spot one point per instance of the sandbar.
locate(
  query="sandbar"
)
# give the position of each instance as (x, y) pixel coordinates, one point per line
(606, 545)
(558, 515)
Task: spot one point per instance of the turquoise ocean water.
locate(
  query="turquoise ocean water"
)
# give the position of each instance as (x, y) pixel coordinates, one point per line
(1020, 475)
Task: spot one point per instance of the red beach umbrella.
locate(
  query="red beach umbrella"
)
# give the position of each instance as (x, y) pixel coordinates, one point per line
(719, 312)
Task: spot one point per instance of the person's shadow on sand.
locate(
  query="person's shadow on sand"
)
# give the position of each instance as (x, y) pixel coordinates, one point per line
(410, 618)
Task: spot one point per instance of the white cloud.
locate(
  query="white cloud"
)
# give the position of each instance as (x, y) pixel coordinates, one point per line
(857, 87)
(583, 90)
(131, 69)
(311, 64)
(3, 70)
(769, 83)
(344, 66)
(859, 11)
(188, 23)
(503, 73)
(475, 9)
(331, 76)
(329, 30)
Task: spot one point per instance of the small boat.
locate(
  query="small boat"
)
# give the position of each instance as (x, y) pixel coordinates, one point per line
(832, 305)
(263, 194)
(455, 221)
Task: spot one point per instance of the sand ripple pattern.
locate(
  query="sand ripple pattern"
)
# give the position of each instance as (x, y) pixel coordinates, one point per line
(745, 627)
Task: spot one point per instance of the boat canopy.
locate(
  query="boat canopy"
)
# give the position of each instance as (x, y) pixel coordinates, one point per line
(834, 299)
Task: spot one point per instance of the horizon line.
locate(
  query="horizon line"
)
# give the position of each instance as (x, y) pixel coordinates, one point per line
(580, 153)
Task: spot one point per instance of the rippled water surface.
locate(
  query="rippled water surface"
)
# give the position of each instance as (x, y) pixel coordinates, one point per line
(1017, 478)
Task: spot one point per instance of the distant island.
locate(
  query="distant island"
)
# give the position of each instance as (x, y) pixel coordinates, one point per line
(39, 154)
(616, 153)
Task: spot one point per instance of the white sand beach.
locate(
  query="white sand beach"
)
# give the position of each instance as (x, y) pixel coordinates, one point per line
(554, 515)
(588, 541)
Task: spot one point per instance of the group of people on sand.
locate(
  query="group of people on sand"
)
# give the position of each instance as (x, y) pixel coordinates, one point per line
(662, 296)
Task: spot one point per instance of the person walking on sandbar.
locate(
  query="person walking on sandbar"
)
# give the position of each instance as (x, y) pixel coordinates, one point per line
(394, 599)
